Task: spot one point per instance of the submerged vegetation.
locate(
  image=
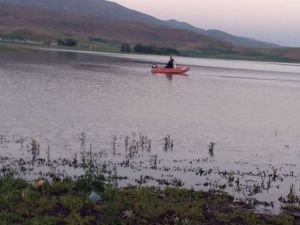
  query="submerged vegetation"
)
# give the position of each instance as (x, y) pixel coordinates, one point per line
(211, 148)
(92, 195)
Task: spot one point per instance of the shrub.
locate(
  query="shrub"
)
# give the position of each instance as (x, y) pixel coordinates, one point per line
(67, 42)
(125, 47)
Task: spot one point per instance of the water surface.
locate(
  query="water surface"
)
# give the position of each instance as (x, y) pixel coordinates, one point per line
(249, 109)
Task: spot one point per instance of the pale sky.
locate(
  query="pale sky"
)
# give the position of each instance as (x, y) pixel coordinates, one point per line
(275, 21)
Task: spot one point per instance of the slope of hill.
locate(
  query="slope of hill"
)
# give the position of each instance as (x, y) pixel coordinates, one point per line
(241, 41)
(105, 10)
(102, 20)
(223, 36)
(44, 24)
(100, 9)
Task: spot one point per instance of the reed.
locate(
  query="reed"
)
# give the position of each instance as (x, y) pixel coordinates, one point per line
(211, 148)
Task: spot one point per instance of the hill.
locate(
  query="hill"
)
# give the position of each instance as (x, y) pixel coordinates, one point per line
(98, 21)
(223, 36)
(35, 23)
(102, 10)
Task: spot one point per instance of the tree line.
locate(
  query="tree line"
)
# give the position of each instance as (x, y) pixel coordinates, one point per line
(67, 42)
(147, 49)
(125, 47)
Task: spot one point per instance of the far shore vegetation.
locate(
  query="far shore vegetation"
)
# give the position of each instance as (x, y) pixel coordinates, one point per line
(18, 40)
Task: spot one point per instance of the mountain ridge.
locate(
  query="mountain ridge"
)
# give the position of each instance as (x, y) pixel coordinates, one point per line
(224, 36)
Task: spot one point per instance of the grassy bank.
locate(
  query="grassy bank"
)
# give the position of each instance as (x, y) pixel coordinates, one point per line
(10, 47)
(98, 47)
(66, 202)
(249, 56)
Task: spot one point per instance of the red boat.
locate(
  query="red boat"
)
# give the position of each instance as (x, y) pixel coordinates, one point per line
(176, 70)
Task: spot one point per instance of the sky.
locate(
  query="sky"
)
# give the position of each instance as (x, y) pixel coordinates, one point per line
(276, 21)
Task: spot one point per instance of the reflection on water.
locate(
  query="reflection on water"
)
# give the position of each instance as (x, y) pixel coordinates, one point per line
(248, 109)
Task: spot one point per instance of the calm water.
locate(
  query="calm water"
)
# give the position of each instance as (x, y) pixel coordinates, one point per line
(249, 109)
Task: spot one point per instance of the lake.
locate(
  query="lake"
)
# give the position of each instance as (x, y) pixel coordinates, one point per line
(71, 102)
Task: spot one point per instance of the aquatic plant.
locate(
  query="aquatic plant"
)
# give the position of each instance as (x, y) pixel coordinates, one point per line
(93, 178)
(238, 188)
(154, 160)
(3, 139)
(274, 175)
(168, 143)
(291, 197)
(255, 189)
(231, 178)
(35, 149)
(126, 143)
(82, 138)
(114, 142)
(48, 154)
(211, 148)
(136, 158)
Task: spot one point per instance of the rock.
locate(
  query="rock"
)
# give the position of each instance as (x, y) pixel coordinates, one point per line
(38, 183)
(95, 198)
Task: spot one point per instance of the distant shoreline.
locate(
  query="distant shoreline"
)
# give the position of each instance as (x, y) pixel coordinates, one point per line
(6, 46)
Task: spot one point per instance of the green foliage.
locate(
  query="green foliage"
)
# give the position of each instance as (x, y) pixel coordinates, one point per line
(74, 203)
(62, 202)
(125, 47)
(223, 218)
(20, 35)
(46, 220)
(67, 42)
(9, 183)
(11, 190)
(251, 219)
(111, 209)
(235, 55)
(95, 39)
(62, 187)
(93, 178)
(139, 48)
(284, 219)
(76, 219)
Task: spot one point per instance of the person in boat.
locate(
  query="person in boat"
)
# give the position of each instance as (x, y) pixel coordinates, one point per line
(171, 63)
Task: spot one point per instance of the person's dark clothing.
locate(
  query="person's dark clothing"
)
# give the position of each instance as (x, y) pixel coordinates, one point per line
(170, 64)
